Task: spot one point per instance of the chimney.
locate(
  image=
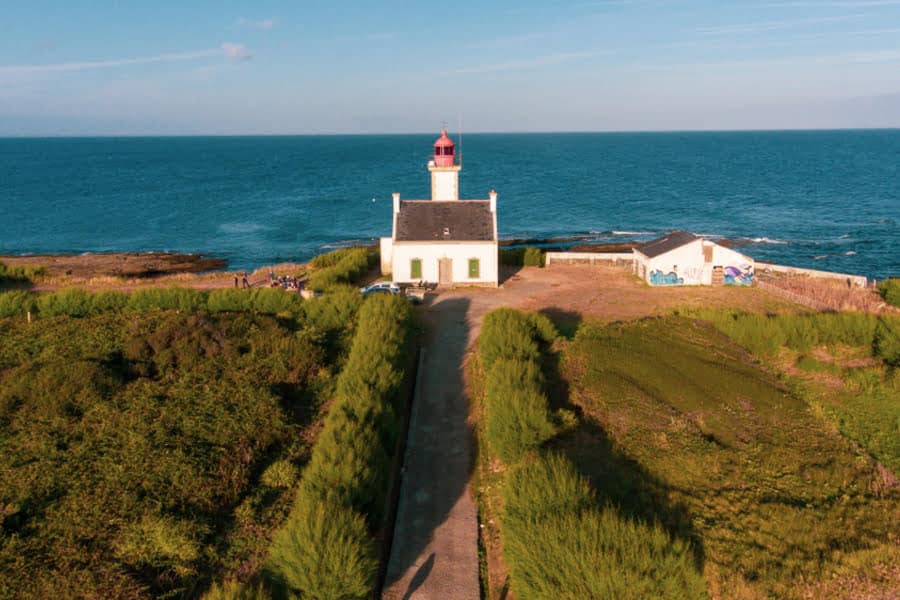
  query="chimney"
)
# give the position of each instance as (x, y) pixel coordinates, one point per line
(396, 202)
(492, 196)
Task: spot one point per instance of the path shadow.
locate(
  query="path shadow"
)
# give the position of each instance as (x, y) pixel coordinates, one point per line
(420, 577)
(439, 457)
(567, 321)
(618, 479)
(509, 272)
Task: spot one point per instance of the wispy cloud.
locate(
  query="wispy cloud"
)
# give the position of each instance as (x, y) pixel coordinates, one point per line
(530, 63)
(833, 4)
(260, 25)
(764, 26)
(510, 40)
(827, 60)
(227, 50)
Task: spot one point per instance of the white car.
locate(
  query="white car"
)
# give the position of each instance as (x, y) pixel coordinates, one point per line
(381, 287)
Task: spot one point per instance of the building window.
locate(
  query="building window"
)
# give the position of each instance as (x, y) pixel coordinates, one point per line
(415, 268)
(474, 268)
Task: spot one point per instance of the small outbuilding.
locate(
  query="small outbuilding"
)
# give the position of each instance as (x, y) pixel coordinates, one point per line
(682, 258)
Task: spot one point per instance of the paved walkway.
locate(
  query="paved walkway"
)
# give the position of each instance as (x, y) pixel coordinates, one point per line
(435, 549)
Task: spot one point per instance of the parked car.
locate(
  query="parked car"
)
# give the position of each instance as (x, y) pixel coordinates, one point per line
(381, 287)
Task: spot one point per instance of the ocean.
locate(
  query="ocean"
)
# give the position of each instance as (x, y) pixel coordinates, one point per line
(819, 199)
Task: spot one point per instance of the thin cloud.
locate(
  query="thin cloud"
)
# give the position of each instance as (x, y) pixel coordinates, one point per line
(828, 60)
(834, 4)
(259, 25)
(227, 50)
(540, 61)
(763, 26)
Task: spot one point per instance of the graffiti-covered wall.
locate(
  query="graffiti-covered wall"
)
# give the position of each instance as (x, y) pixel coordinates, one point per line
(696, 263)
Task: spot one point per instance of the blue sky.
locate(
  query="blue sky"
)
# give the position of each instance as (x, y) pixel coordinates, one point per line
(77, 67)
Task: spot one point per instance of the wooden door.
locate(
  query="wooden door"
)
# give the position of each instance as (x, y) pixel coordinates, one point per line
(445, 271)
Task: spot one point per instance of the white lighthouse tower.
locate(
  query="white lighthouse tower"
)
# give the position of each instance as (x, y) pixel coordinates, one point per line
(444, 171)
(443, 240)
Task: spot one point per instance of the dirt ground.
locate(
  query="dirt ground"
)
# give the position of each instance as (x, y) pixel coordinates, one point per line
(607, 293)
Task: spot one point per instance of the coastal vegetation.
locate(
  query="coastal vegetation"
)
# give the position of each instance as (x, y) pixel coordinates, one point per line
(341, 266)
(163, 441)
(890, 291)
(20, 273)
(681, 427)
(328, 546)
(559, 538)
(137, 448)
(529, 256)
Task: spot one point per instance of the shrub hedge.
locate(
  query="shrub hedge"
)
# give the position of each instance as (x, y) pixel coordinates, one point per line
(325, 549)
(517, 415)
(340, 266)
(519, 257)
(890, 291)
(24, 273)
(557, 541)
(560, 544)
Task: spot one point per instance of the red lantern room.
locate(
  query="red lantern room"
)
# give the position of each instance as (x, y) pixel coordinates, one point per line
(443, 150)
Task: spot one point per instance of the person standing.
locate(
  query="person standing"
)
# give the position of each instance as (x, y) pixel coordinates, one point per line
(244, 281)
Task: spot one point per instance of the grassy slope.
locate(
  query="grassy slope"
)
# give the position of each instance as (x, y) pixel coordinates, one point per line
(679, 425)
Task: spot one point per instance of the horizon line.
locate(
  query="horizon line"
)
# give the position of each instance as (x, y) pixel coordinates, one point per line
(5, 136)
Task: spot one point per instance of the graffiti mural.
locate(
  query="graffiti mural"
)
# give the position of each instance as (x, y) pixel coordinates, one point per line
(742, 275)
(660, 278)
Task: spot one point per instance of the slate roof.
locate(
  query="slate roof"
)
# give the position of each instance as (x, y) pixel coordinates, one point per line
(445, 221)
(670, 241)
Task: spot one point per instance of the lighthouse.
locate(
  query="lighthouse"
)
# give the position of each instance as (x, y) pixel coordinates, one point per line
(443, 240)
(444, 170)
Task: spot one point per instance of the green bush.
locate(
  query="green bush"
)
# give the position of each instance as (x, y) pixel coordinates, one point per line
(229, 300)
(517, 416)
(273, 301)
(324, 552)
(109, 301)
(890, 291)
(130, 438)
(341, 266)
(173, 298)
(73, 302)
(522, 257)
(17, 302)
(280, 474)
(534, 257)
(559, 544)
(886, 341)
(235, 590)
(24, 273)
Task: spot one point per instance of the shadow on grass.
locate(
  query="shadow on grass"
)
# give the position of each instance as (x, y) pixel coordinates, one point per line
(618, 479)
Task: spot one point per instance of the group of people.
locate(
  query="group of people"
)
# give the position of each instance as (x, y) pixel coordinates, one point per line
(285, 281)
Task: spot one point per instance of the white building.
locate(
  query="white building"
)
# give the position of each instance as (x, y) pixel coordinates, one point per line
(682, 258)
(444, 240)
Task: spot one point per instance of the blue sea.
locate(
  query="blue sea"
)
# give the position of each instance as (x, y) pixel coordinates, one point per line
(820, 199)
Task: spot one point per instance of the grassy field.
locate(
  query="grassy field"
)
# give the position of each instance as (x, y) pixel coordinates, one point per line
(680, 426)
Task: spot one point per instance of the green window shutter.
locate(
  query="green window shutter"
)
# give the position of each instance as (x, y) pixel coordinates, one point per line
(474, 270)
(415, 268)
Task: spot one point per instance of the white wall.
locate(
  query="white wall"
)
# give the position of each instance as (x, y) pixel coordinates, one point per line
(444, 183)
(460, 253)
(687, 266)
(386, 251)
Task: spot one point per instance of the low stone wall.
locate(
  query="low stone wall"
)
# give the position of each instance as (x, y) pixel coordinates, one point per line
(588, 258)
(857, 280)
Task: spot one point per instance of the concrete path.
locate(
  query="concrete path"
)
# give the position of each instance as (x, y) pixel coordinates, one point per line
(435, 549)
